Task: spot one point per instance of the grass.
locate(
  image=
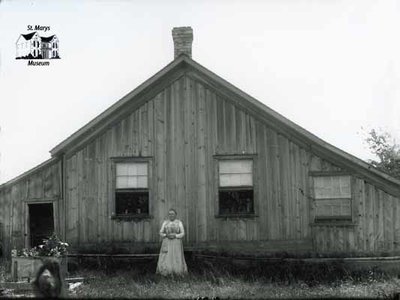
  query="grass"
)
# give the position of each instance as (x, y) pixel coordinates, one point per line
(225, 281)
(125, 285)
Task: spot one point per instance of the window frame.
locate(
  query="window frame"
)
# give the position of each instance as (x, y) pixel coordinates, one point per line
(337, 220)
(114, 162)
(234, 157)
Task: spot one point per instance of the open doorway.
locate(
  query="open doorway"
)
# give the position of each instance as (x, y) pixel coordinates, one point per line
(41, 222)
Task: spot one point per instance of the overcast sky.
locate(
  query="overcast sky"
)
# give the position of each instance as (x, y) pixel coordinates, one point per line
(330, 66)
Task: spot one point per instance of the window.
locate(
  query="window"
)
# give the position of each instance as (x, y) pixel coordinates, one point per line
(235, 193)
(332, 197)
(131, 188)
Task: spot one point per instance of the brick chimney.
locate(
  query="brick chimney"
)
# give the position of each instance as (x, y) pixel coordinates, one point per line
(183, 38)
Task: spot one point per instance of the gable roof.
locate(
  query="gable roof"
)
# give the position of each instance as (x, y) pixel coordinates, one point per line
(279, 122)
(47, 39)
(29, 35)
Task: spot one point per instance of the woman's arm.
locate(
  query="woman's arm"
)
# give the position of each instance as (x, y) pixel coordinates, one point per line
(181, 231)
(162, 230)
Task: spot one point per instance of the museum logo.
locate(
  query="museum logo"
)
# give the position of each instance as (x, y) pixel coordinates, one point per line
(36, 48)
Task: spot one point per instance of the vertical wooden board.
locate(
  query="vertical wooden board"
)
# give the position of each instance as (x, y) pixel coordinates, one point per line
(192, 160)
(371, 220)
(72, 207)
(298, 187)
(144, 134)
(388, 212)
(150, 120)
(252, 135)
(99, 186)
(284, 185)
(201, 166)
(262, 181)
(82, 203)
(159, 108)
(305, 193)
(93, 193)
(180, 150)
(211, 185)
(380, 221)
(240, 132)
(220, 130)
(128, 231)
(136, 133)
(241, 228)
(230, 128)
(48, 174)
(375, 202)
(292, 193)
(276, 213)
(360, 196)
(396, 219)
(315, 163)
(168, 142)
(110, 152)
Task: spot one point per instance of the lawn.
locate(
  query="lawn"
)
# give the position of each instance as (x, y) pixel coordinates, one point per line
(226, 281)
(222, 281)
(126, 285)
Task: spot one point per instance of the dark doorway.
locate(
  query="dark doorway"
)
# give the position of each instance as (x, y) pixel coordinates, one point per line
(41, 222)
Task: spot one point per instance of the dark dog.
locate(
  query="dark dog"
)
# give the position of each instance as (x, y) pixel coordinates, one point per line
(48, 282)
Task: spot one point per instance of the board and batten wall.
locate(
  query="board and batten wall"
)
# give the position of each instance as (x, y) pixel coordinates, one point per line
(42, 185)
(182, 129)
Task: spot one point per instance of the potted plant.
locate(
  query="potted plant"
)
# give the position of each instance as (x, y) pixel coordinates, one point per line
(26, 262)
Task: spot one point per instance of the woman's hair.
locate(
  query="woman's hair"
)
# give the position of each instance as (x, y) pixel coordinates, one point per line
(172, 209)
(42, 286)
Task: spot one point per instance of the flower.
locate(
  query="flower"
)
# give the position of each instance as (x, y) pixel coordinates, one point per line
(52, 246)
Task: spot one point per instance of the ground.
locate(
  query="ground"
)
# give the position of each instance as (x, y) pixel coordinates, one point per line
(216, 281)
(124, 285)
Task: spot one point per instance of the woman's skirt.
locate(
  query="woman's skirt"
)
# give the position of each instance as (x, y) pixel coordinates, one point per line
(171, 260)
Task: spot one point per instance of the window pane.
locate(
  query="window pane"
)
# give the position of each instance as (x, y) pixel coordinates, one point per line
(122, 182)
(128, 203)
(132, 182)
(131, 175)
(142, 169)
(332, 187)
(235, 166)
(235, 173)
(236, 202)
(235, 180)
(142, 182)
(122, 169)
(333, 208)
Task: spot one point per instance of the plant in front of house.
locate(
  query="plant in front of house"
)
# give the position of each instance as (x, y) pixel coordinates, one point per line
(52, 246)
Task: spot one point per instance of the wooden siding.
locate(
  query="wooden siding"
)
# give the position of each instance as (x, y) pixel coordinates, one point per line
(182, 129)
(39, 186)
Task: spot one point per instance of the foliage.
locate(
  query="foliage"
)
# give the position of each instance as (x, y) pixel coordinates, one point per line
(384, 146)
(52, 246)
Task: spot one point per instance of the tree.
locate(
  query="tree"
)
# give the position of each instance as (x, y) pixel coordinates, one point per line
(384, 146)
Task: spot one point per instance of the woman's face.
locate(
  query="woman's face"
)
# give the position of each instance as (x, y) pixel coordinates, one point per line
(171, 215)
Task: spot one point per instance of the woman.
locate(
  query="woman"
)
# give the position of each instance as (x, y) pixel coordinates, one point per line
(171, 260)
(49, 282)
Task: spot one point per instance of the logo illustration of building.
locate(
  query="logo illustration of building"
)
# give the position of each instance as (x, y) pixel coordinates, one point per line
(33, 46)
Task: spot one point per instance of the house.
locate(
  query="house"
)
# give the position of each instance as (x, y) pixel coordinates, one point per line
(34, 46)
(28, 44)
(49, 47)
(241, 176)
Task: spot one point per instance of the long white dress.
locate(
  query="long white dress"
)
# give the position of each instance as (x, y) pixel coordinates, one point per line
(171, 259)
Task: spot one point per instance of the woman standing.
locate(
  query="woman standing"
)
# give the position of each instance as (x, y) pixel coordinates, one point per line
(171, 259)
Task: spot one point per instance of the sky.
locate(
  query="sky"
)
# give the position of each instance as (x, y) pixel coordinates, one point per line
(332, 67)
